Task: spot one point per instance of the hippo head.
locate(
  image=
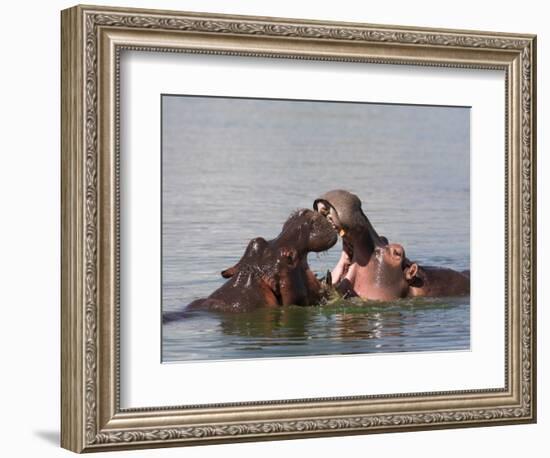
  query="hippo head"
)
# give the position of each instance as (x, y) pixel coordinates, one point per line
(344, 212)
(303, 232)
(390, 273)
(342, 209)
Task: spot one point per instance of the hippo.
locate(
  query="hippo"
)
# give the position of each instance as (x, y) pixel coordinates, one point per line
(275, 272)
(370, 267)
(390, 275)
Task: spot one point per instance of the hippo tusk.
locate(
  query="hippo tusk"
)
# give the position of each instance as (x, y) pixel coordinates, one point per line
(328, 278)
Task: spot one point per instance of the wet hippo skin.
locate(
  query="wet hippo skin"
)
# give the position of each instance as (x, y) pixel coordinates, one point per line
(275, 272)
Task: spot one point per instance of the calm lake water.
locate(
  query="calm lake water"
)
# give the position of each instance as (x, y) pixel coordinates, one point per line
(234, 169)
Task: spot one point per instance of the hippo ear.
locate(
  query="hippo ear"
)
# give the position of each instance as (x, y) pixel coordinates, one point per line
(411, 271)
(229, 272)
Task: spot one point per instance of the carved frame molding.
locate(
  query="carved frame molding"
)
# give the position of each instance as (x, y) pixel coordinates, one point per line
(92, 39)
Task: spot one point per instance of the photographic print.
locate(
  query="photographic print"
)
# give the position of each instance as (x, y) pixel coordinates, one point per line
(245, 198)
(308, 228)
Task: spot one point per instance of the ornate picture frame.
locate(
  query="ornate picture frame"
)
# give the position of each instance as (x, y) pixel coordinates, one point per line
(92, 41)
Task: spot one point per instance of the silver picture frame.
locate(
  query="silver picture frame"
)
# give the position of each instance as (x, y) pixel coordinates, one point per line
(92, 41)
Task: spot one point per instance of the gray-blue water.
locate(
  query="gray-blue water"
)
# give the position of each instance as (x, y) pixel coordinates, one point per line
(234, 169)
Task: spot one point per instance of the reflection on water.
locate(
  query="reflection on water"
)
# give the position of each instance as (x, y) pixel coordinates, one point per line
(234, 169)
(344, 328)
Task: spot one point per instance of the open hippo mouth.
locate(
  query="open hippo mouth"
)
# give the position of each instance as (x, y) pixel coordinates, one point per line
(343, 211)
